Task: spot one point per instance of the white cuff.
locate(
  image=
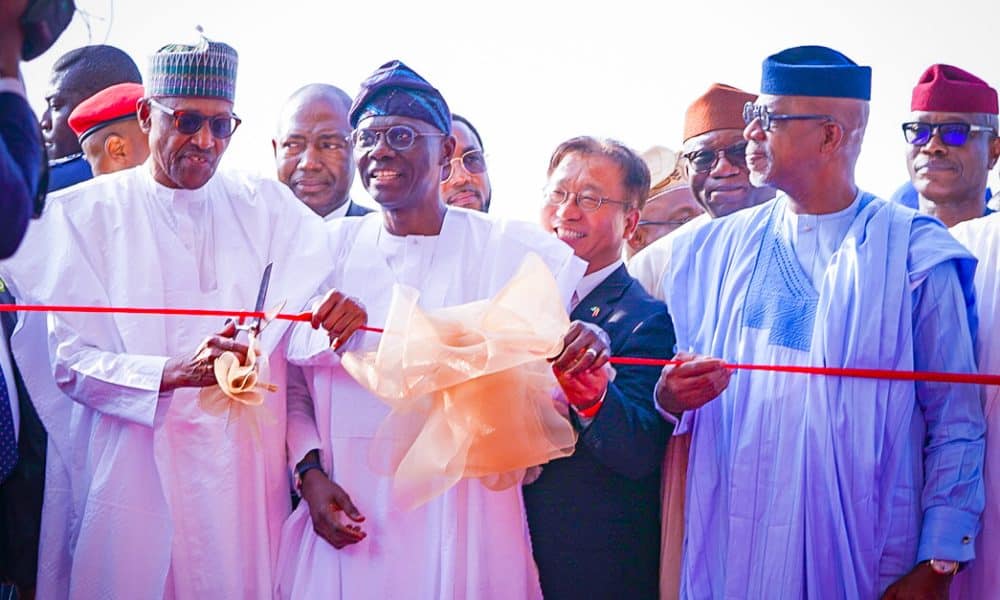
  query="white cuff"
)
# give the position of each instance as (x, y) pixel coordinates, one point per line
(668, 416)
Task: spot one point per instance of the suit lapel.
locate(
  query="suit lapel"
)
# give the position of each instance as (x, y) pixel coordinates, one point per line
(598, 305)
(9, 319)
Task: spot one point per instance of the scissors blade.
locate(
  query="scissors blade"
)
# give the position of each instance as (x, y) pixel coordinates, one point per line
(265, 281)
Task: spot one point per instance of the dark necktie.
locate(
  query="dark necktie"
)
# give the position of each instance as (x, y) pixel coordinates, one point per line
(8, 441)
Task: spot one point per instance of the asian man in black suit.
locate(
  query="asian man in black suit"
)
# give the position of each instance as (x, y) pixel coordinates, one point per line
(595, 516)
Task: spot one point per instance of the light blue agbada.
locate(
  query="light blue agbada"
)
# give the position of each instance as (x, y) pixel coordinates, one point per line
(805, 486)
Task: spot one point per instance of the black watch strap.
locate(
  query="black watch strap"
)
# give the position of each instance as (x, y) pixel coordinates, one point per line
(303, 468)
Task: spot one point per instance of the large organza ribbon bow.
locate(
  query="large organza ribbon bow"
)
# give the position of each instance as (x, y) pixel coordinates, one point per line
(240, 389)
(469, 386)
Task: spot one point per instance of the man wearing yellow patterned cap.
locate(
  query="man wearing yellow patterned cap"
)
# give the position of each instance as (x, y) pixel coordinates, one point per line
(716, 168)
(670, 204)
(148, 494)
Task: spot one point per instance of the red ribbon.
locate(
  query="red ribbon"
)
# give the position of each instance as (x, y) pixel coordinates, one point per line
(932, 376)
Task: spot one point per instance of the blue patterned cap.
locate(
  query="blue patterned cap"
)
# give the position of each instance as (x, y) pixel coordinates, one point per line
(815, 71)
(205, 70)
(396, 89)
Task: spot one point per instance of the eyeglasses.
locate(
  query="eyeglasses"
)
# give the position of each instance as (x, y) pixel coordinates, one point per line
(919, 133)
(399, 137)
(676, 223)
(587, 202)
(190, 122)
(767, 118)
(703, 161)
(473, 161)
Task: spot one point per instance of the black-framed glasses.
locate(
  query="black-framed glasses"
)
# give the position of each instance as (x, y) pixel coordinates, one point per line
(767, 118)
(473, 161)
(585, 200)
(703, 161)
(189, 122)
(919, 133)
(398, 137)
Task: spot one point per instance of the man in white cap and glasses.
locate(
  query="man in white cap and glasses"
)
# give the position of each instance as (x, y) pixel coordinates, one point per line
(149, 494)
(671, 202)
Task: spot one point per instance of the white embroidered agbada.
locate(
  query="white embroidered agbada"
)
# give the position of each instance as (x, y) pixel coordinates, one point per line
(469, 542)
(982, 237)
(147, 496)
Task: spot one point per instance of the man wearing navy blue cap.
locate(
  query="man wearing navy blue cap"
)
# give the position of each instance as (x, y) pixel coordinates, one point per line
(820, 486)
(470, 541)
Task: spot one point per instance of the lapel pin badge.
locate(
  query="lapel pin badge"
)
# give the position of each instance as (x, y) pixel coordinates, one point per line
(594, 311)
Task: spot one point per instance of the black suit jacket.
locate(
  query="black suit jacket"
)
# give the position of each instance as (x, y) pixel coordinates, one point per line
(21, 492)
(595, 516)
(356, 210)
(20, 169)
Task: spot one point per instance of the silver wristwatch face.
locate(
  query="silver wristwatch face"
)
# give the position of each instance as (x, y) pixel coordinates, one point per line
(944, 567)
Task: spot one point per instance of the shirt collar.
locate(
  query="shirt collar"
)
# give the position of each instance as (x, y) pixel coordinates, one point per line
(340, 211)
(590, 282)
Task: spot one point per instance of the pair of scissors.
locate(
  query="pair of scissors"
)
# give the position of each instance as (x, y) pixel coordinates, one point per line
(257, 323)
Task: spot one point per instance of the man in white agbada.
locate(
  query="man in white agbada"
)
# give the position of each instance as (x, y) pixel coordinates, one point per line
(982, 238)
(817, 486)
(147, 495)
(470, 542)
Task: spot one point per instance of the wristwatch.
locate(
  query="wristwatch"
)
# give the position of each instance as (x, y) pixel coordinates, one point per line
(944, 567)
(302, 469)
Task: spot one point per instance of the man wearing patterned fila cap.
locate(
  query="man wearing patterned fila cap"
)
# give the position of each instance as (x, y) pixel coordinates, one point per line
(822, 486)
(670, 203)
(149, 494)
(715, 165)
(952, 144)
(351, 537)
(108, 129)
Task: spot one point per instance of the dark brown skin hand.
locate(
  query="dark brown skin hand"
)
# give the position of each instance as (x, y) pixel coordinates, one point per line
(198, 368)
(327, 501)
(922, 583)
(340, 316)
(692, 384)
(579, 368)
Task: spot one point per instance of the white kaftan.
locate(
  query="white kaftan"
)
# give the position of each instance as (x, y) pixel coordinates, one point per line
(469, 542)
(147, 496)
(981, 579)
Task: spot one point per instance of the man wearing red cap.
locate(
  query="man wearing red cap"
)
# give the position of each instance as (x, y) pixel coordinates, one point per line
(953, 144)
(714, 157)
(108, 129)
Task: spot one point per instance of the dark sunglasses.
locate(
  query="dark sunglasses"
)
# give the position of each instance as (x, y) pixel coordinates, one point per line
(398, 137)
(473, 161)
(190, 122)
(919, 133)
(703, 161)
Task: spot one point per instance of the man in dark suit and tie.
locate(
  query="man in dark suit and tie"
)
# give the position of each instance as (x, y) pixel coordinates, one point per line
(314, 153)
(594, 516)
(20, 141)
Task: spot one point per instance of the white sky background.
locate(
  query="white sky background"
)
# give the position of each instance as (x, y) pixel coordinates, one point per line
(532, 74)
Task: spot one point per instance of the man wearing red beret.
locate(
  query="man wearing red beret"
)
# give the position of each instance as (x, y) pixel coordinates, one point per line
(108, 129)
(953, 144)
